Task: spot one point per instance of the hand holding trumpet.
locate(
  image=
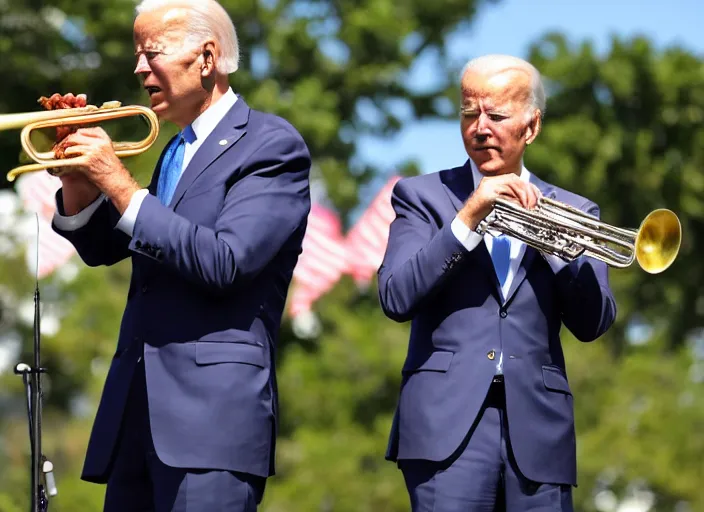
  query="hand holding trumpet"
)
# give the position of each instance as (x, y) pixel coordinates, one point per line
(99, 169)
(96, 168)
(491, 188)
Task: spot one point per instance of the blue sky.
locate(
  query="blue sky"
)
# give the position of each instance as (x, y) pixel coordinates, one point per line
(509, 27)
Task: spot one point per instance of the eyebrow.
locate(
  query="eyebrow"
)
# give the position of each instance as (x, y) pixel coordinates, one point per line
(489, 110)
(150, 47)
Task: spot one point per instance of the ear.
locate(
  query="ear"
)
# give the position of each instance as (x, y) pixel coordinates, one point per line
(209, 57)
(534, 126)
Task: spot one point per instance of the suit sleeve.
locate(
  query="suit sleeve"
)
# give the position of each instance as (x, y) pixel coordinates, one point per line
(97, 242)
(588, 306)
(417, 261)
(267, 203)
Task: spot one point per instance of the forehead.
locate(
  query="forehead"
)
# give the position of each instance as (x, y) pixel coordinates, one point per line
(496, 88)
(160, 29)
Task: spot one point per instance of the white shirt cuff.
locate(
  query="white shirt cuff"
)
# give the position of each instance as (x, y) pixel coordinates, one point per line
(128, 219)
(464, 235)
(75, 222)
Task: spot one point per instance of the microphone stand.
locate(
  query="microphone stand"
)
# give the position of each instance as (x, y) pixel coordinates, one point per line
(42, 476)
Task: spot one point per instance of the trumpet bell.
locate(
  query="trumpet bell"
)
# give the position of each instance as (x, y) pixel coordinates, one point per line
(658, 241)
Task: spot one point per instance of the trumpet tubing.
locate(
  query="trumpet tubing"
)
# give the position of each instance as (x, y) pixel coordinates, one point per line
(17, 121)
(561, 230)
(32, 121)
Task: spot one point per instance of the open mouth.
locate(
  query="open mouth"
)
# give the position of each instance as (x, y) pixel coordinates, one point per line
(151, 90)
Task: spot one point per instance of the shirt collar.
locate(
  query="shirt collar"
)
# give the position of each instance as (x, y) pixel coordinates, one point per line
(206, 122)
(477, 175)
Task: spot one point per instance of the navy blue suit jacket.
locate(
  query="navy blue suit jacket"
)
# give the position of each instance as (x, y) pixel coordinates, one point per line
(210, 275)
(459, 324)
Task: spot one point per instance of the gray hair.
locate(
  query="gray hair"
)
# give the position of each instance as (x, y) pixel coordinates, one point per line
(206, 19)
(499, 63)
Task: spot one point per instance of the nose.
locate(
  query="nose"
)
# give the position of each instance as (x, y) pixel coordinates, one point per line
(483, 125)
(142, 65)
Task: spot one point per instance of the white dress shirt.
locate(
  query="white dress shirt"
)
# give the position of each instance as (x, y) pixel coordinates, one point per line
(470, 239)
(194, 135)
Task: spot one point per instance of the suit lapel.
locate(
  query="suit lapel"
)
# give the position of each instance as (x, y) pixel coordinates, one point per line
(459, 185)
(529, 255)
(223, 137)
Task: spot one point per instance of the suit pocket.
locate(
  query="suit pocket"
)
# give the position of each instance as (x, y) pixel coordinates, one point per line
(216, 352)
(436, 362)
(555, 379)
(231, 336)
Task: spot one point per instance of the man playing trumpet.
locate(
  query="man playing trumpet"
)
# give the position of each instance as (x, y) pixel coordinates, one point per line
(485, 415)
(187, 420)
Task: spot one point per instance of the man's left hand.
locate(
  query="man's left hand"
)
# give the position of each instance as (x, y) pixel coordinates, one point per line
(101, 165)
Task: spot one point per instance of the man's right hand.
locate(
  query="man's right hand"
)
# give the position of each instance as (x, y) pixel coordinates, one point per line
(506, 186)
(78, 191)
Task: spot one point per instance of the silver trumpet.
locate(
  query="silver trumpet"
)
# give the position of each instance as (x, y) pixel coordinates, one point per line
(559, 229)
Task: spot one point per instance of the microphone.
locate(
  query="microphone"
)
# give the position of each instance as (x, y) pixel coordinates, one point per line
(48, 469)
(22, 368)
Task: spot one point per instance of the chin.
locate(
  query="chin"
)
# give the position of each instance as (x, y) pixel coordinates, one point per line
(491, 167)
(161, 109)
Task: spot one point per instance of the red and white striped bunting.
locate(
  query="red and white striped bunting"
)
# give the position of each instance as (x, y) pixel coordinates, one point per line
(328, 255)
(366, 241)
(36, 192)
(322, 261)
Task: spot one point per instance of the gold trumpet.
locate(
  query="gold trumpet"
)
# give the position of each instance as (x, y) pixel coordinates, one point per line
(75, 116)
(561, 230)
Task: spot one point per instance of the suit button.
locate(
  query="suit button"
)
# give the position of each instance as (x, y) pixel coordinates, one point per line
(503, 313)
(491, 355)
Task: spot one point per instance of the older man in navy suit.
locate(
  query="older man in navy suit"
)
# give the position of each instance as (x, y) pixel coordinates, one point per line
(187, 420)
(485, 415)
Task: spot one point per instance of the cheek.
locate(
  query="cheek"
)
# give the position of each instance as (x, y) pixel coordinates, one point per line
(511, 134)
(157, 70)
(176, 70)
(466, 130)
(170, 79)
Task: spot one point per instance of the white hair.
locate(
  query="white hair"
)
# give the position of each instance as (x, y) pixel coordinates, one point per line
(489, 64)
(206, 19)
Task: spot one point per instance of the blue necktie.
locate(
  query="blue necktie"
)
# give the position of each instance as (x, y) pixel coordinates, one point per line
(171, 167)
(501, 255)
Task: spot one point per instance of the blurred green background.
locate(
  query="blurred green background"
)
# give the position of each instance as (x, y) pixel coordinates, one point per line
(623, 127)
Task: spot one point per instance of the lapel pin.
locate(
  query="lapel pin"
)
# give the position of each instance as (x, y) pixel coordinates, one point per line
(223, 142)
